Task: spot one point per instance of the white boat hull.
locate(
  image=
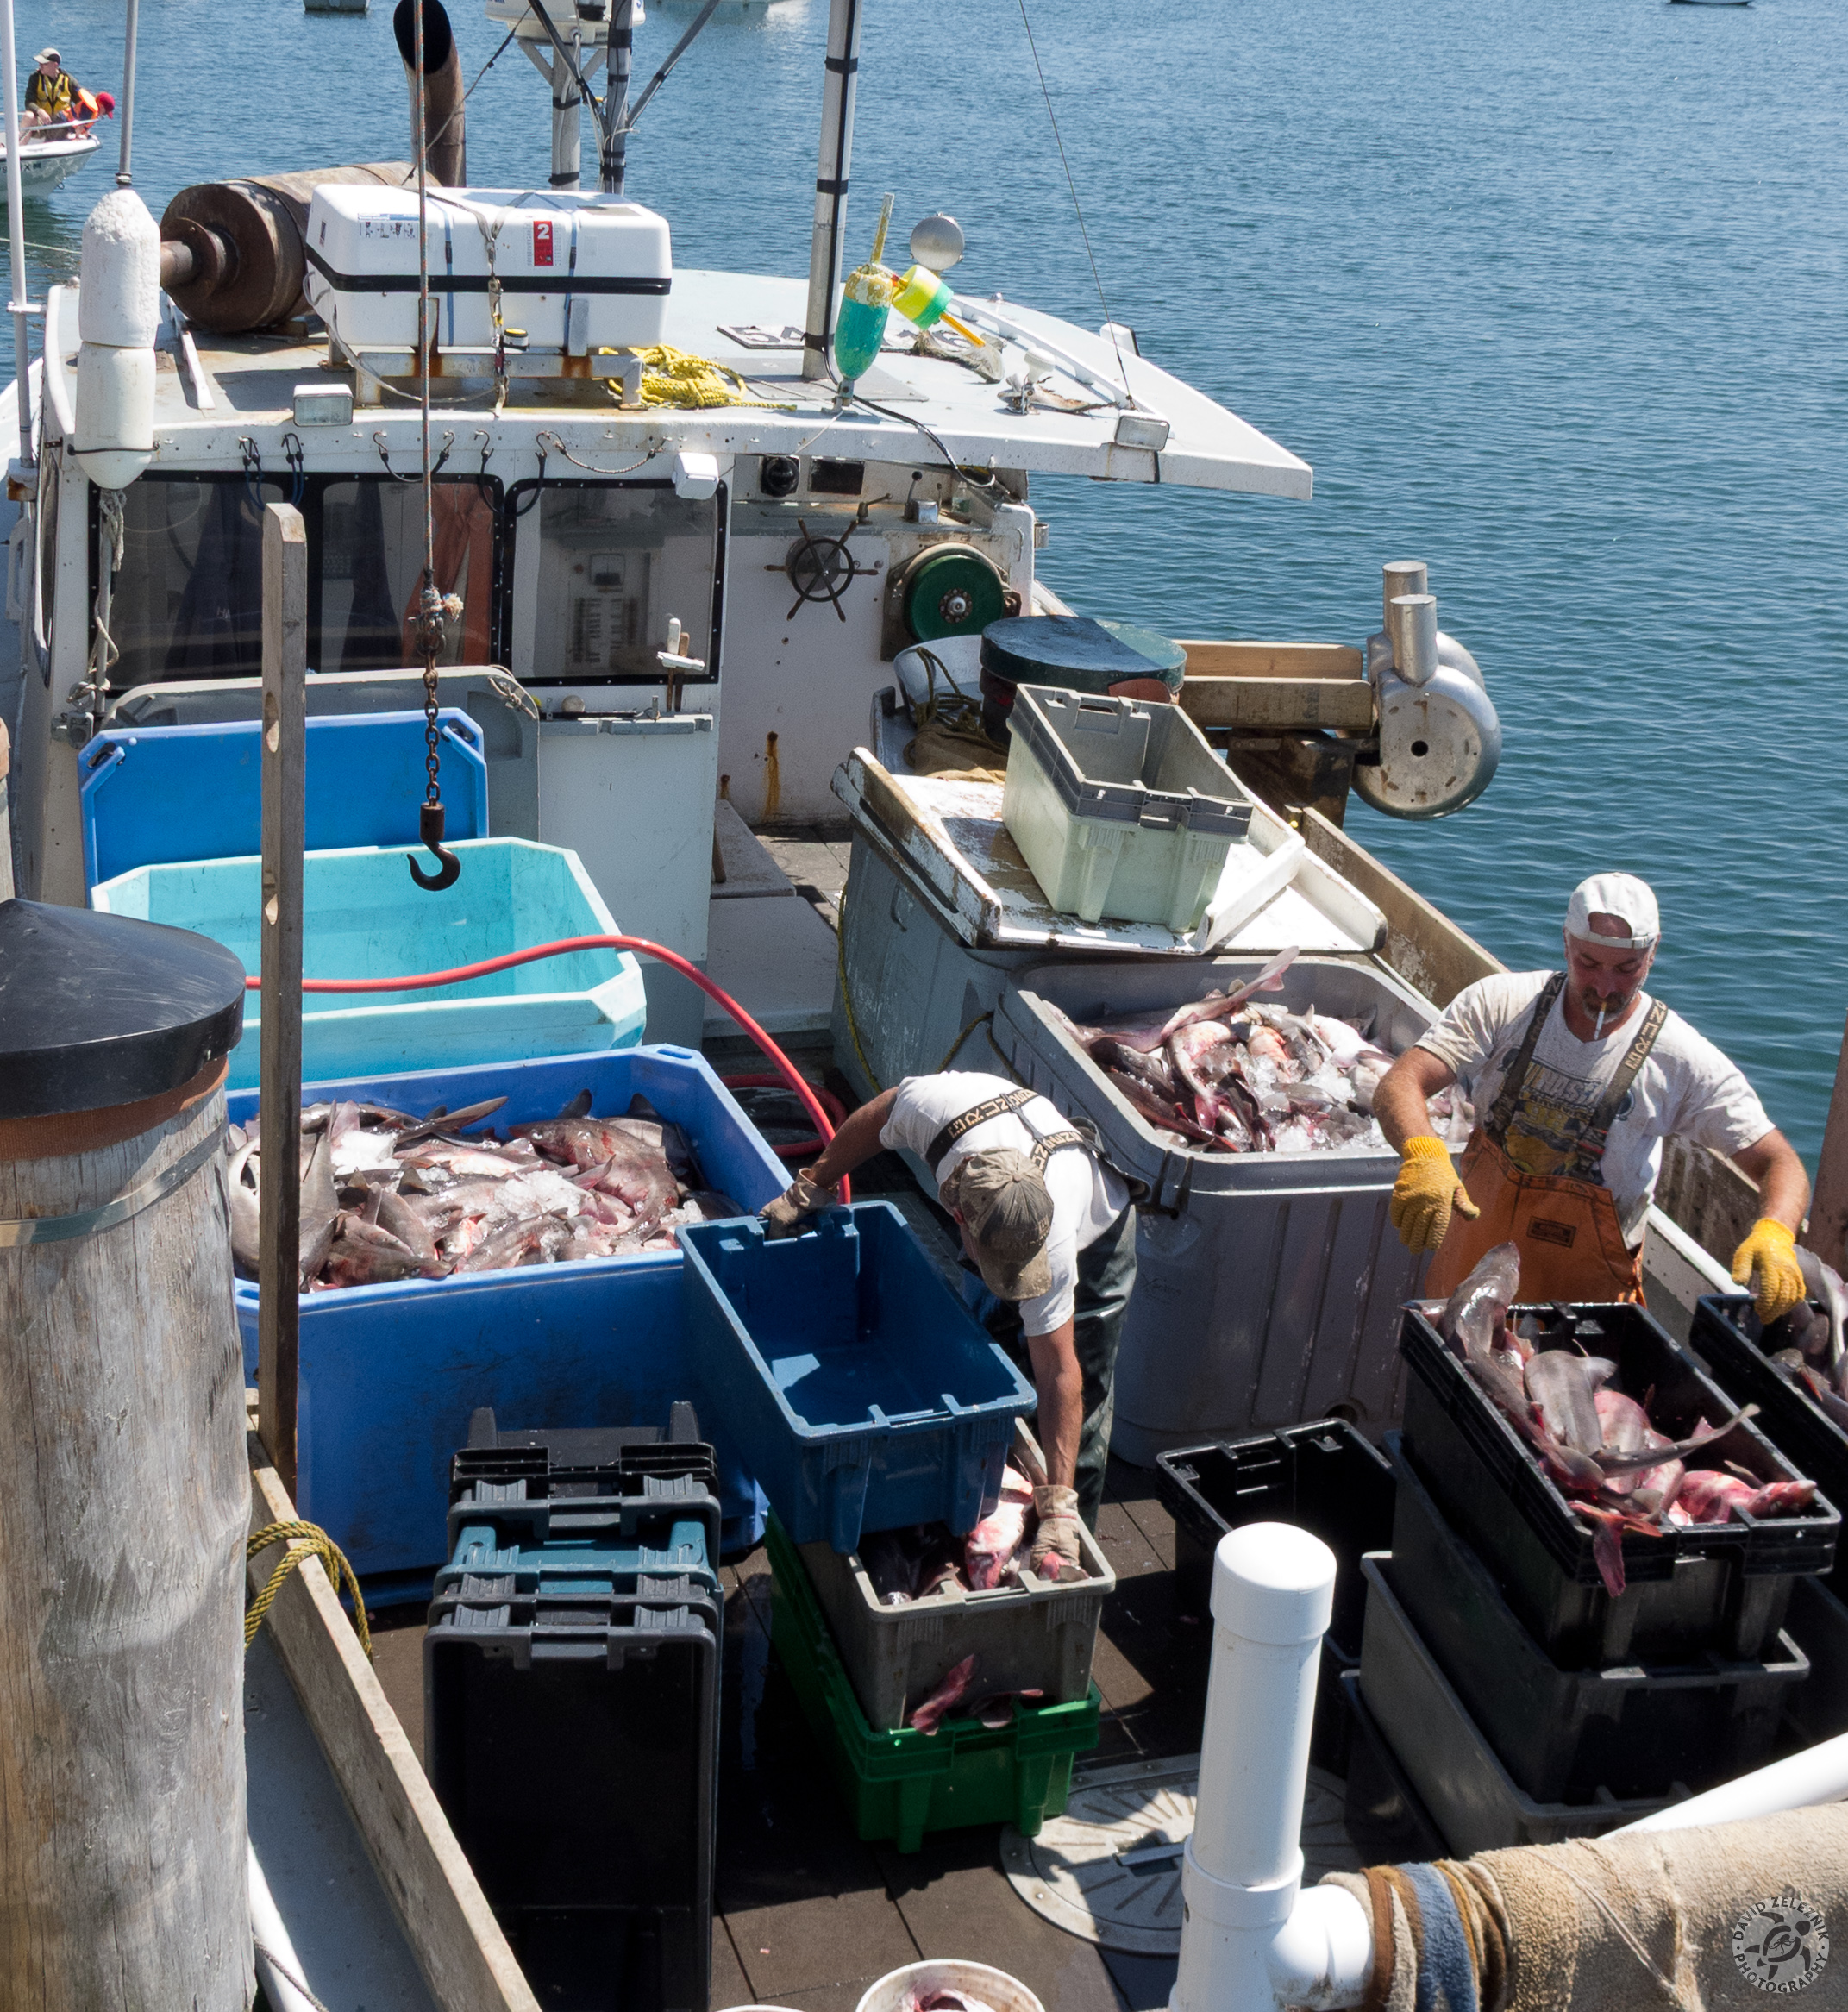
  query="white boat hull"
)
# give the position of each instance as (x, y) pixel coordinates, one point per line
(43, 164)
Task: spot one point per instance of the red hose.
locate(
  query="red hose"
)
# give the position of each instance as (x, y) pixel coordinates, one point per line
(788, 1074)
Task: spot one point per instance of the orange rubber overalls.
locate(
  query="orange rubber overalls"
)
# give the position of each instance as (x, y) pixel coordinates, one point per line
(1571, 1243)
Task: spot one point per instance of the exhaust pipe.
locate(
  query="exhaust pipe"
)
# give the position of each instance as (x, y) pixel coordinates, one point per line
(442, 75)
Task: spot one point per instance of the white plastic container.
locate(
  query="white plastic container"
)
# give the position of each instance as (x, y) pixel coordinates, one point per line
(577, 272)
(1121, 808)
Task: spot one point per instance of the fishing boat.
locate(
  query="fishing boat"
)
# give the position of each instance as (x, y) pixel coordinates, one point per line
(682, 558)
(43, 164)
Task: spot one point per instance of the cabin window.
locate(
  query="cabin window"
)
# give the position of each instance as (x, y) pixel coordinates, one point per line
(188, 602)
(372, 571)
(603, 567)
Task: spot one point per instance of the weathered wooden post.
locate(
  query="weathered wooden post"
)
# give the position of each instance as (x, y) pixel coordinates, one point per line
(1828, 1234)
(279, 1034)
(124, 1492)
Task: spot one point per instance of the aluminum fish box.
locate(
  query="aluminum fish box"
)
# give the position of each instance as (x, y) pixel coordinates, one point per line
(577, 272)
(1269, 1285)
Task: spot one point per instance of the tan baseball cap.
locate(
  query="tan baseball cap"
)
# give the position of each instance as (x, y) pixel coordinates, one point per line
(47, 56)
(1008, 1215)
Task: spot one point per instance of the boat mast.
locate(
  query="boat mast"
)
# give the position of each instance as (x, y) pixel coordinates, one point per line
(124, 180)
(839, 86)
(19, 307)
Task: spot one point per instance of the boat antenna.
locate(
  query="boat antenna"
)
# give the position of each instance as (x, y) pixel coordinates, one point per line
(19, 307)
(840, 85)
(1110, 320)
(429, 602)
(124, 178)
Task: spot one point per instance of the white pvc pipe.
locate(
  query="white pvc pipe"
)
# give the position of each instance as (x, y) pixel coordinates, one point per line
(17, 306)
(1819, 1774)
(1273, 1591)
(57, 385)
(278, 1968)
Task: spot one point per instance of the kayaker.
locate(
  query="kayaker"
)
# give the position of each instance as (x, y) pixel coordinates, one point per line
(1577, 1077)
(52, 93)
(1049, 1233)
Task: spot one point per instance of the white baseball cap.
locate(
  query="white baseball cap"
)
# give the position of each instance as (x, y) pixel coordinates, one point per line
(1632, 901)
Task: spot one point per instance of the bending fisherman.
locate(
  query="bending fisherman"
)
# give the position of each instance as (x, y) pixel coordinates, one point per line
(1578, 1076)
(1049, 1233)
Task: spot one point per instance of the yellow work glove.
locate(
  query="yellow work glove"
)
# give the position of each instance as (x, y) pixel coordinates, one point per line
(1427, 1189)
(1766, 1261)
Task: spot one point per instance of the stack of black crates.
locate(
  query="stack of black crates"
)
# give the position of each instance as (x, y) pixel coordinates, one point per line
(1523, 1702)
(571, 1678)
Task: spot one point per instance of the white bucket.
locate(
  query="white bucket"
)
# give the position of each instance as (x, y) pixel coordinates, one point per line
(994, 1988)
(960, 655)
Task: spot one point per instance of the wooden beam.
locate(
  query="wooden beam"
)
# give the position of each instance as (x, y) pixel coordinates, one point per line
(1292, 704)
(447, 1920)
(1704, 1194)
(1422, 945)
(283, 759)
(1272, 660)
(1828, 1233)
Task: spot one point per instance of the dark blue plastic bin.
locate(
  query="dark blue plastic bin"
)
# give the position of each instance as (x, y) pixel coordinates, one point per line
(391, 1375)
(153, 796)
(860, 1388)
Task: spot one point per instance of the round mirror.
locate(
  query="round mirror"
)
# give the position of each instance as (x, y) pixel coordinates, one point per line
(936, 243)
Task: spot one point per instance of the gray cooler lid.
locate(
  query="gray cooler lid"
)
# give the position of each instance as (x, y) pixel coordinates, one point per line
(97, 1010)
(1079, 652)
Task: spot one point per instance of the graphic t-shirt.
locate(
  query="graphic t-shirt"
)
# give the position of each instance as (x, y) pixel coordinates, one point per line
(1686, 1089)
(1086, 1197)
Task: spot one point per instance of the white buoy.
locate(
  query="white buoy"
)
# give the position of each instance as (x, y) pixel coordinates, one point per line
(118, 315)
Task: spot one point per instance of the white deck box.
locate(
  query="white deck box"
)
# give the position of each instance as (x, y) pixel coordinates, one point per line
(577, 272)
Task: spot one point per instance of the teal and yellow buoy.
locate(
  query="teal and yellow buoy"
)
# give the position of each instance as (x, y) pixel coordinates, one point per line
(866, 301)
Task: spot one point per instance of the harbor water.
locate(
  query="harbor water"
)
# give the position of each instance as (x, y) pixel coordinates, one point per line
(1549, 296)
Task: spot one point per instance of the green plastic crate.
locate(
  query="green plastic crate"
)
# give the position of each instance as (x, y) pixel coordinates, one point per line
(900, 1784)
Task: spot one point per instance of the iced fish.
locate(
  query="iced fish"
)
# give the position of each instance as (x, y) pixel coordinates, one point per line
(997, 1543)
(388, 1195)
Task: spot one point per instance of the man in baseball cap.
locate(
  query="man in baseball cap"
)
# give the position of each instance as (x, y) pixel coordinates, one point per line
(1048, 1236)
(1577, 1076)
(51, 92)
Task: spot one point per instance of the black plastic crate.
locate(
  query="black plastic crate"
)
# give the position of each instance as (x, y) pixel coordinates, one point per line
(1386, 1821)
(1563, 1734)
(1820, 1622)
(1728, 1338)
(1323, 1477)
(543, 1484)
(573, 1746)
(1720, 1586)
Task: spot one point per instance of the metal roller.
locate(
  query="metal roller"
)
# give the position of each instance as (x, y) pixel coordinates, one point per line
(1440, 738)
(231, 252)
(1412, 576)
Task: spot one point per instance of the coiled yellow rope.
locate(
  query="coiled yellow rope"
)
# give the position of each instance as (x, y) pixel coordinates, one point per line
(305, 1540)
(671, 377)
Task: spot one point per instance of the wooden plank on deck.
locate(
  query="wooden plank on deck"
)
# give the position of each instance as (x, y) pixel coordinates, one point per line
(446, 1918)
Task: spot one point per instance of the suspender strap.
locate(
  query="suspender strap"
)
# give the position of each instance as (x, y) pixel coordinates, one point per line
(1046, 1144)
(1590, 1152)
(1501, 1113)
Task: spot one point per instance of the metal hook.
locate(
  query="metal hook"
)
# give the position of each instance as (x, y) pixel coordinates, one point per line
(429, 834)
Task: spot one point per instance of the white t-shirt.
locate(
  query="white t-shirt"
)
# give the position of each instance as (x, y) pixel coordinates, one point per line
(1686, 1089)
(1086, 1197)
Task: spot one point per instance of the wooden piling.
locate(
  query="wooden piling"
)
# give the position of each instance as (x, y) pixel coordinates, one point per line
(1827, 1231)
(280, 1197)
(123, 1489)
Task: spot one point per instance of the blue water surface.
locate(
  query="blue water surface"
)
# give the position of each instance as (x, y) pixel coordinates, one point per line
(1550, 295)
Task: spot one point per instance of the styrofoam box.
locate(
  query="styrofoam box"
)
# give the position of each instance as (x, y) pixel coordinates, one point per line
(597, 263)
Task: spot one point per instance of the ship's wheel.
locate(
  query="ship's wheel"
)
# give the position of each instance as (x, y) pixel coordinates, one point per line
(820, 567)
